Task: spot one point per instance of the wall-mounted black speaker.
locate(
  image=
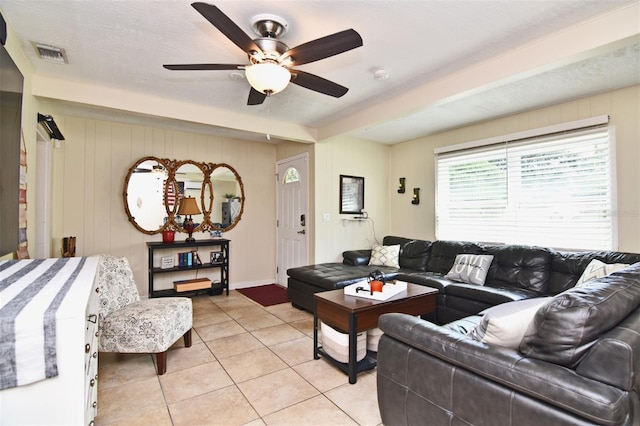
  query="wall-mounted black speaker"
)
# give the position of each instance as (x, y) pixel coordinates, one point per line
(50, 126)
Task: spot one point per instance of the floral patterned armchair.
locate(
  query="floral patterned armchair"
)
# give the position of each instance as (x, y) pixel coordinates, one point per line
(130, 325)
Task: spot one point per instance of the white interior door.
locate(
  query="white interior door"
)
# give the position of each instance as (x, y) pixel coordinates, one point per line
(292, 215)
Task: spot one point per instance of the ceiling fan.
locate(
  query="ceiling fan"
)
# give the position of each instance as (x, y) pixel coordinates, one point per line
(270, 60)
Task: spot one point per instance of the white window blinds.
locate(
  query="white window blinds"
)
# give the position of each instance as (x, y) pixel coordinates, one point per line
(553, 191)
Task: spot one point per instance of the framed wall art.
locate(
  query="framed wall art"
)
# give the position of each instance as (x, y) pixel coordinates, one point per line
(351, 194)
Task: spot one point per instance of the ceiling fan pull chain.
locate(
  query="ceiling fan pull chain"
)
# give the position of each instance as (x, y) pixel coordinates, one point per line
(268, 117)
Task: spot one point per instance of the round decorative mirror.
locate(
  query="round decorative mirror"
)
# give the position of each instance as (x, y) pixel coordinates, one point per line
(228, 197)
(154, 188)
(143, 195)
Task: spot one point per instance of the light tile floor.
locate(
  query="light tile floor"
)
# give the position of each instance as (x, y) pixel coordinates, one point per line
(248, 365)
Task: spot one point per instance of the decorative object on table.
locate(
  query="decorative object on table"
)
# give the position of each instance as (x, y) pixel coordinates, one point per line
(196, 258)
(362, 289)
(168, 235)
(401, 187)
(376, 281)
(416, 196)
(215, 233)
(188, 207)
(166, 262)
(69, 247)
(216, 257)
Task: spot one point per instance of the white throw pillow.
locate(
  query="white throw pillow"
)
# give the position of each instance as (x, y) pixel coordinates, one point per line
(385, 256)
(470, 268)
(505, 325)
(597, 269)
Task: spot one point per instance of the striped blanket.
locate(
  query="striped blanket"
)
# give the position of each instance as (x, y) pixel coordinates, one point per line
(31, 294)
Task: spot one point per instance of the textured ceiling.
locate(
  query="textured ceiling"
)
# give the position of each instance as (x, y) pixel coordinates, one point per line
(423, 45)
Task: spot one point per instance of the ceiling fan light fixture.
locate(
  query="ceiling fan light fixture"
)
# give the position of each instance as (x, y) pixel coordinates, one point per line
(268, 77)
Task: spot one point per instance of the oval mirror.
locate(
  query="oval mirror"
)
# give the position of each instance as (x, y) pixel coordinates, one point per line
(189, 178)
(144, 195)
(228, 197)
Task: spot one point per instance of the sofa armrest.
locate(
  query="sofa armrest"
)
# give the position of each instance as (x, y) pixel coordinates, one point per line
(356, 257)
(553, 384)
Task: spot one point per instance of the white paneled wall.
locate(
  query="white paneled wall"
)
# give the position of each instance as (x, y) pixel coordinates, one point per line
(89, 172)
(354, 157)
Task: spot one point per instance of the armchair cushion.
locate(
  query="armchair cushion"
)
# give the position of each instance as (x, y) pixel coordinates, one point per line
(148, 326)
(117, 286)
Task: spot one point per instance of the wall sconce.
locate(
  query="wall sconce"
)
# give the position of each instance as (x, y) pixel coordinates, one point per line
(416, 196)
(401, 186)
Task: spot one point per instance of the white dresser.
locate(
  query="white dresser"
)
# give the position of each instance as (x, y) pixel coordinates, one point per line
(69, 398)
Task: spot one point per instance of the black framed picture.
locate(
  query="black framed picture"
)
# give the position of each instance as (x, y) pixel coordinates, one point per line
(351, 194)
(216, 257)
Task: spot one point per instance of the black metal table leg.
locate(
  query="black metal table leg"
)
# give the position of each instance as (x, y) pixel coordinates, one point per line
(353, 347)
(315, 334)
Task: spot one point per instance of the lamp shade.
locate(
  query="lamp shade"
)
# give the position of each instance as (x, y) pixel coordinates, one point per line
(188, 206)
(268, 77)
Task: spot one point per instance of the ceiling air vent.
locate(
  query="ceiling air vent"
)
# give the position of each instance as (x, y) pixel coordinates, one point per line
(51, 53)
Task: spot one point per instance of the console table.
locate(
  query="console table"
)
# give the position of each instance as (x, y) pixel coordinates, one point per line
(181, 246)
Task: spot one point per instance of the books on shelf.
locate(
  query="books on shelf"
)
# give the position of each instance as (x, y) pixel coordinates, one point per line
(194, 284)
(189, 258)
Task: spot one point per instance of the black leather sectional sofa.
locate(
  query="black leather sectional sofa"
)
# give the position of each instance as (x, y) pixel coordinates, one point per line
(577, 364)
(517, 272)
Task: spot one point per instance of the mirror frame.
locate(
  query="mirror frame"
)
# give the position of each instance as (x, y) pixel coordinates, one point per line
(242, 198)
(206, 202)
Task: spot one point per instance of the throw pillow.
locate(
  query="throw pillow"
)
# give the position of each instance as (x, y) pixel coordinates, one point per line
(598, 269)
(505, 324)
(385, 256)
(470, 268)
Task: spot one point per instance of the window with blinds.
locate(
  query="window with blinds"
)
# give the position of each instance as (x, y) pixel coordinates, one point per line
(552, 191)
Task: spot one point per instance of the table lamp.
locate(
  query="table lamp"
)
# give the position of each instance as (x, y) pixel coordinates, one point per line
(188, 207)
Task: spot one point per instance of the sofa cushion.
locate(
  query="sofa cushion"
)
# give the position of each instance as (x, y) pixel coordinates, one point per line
(567, 267)
(443, 254)
(504, 325)
(385, 256)
(470, 268)
(597, 269)
(564, 329)
(525, 267)
(415, 255)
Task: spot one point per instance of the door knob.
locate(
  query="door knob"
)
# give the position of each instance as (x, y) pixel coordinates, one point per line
(302, 232)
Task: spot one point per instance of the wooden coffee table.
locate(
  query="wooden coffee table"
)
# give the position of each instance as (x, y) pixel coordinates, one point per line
(351, 314)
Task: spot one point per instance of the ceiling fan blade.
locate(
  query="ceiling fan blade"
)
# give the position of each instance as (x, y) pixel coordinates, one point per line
(318, 84)
(204, 67)
(324, 47)
(255, 97)
(226, 26)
